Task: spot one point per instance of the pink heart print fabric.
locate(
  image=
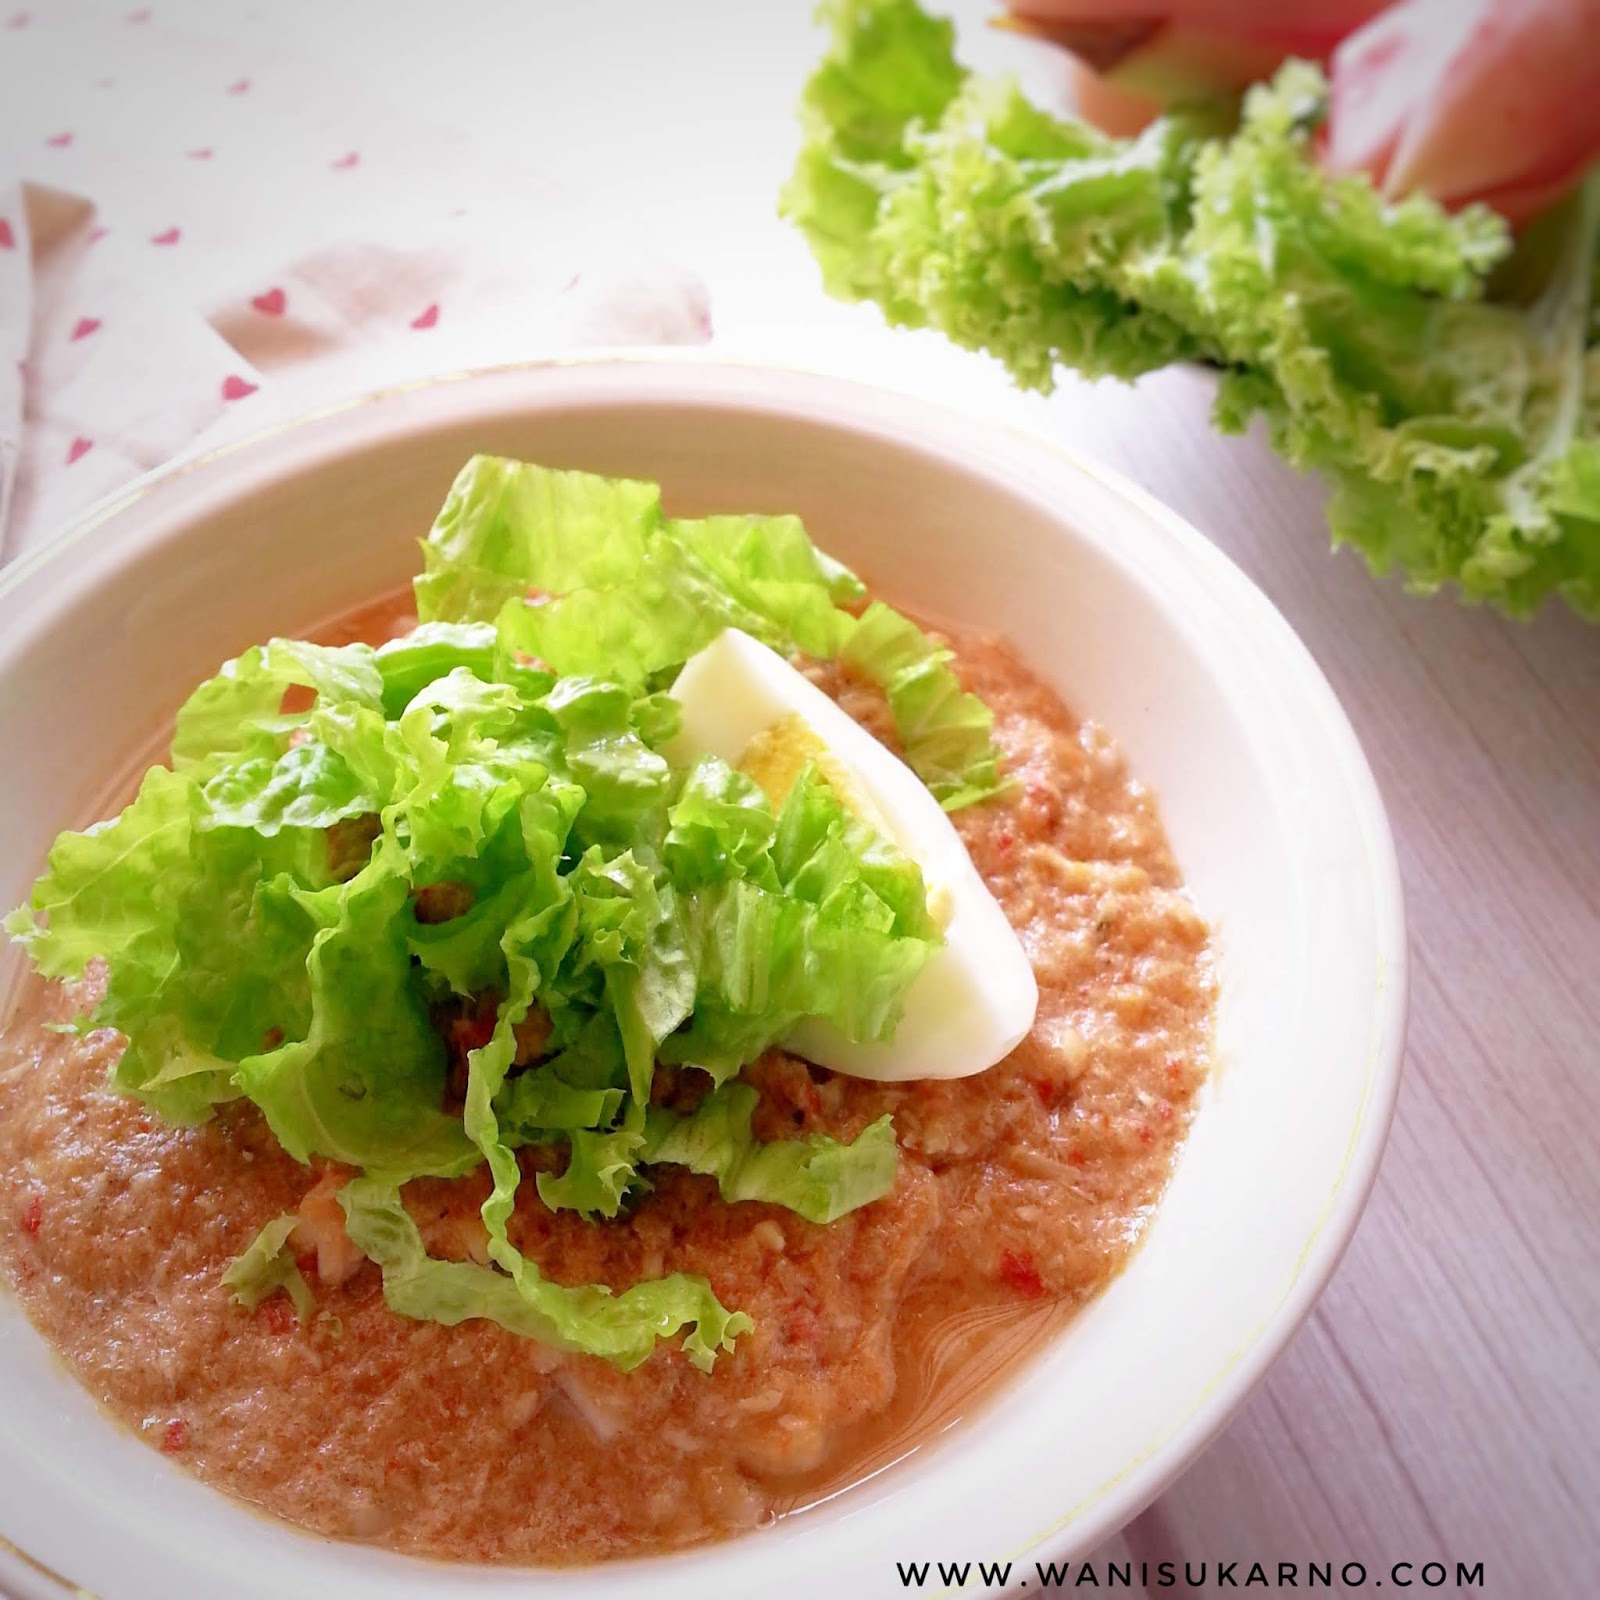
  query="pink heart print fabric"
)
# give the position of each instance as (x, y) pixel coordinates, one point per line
(202, 233)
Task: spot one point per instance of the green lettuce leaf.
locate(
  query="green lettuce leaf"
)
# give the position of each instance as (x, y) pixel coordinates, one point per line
(507, 528)
(308, 786)
(601, 1168)
(431, 651)
(623, 595)
(946, 733)
(204, 942)
(1454, 430)
(428, 904)
(630, 930)
(239, 712)
(769, 566)
(832, 923)
(365, 1083)
(620, 1328)
(826, 856)
(936, 196)
(535, 944)
(619, 590)
(543, 1102)
(103, 891)
(624, 781)
(721, 827)
(817, 1177)
(266, 1265)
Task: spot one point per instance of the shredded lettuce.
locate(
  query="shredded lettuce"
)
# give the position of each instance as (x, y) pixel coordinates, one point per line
(588, 576)
(621, 1328)
(428, 904)
(1460, 434)
(363, 1083)
(946, 733)
(824, 920)
(266, 1265)
(817, 1177)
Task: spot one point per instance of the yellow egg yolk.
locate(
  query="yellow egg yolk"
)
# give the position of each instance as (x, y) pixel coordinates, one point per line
(775, 758)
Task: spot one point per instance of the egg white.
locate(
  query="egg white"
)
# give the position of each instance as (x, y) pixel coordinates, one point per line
(975, 1000)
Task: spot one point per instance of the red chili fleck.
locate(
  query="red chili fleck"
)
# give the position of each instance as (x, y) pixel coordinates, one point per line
(1004, 841)
(175, 1437)
(1076, 1158)
(277, 1315)
(33, 1217)
(1144, 1133)
(1018, 1272)
(1052, 1093)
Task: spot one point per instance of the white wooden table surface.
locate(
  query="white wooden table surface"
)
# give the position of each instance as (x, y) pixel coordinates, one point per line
(1443, 1403)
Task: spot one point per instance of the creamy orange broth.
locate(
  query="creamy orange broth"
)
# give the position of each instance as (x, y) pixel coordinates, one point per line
(1019, 1195)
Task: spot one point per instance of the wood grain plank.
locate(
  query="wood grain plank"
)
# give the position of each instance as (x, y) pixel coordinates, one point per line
(1442, 1401)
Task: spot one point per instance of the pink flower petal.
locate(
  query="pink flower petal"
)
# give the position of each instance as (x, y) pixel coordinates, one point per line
(427, 319)
(78, 449)
(346, 162)
(170, 236)
(241, 86)
(97, 234)
(272, 303)
(1380, 75)
(83, 327)
(1470, 99)
(59, 141)
(236, 388)
(201, 155)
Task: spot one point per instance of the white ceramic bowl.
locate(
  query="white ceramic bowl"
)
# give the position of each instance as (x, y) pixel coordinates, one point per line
(1134, 617)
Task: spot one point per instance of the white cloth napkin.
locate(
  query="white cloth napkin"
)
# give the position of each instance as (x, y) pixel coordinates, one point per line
(201, 233)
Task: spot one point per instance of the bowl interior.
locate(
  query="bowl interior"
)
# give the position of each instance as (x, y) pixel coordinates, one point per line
(1135, 620)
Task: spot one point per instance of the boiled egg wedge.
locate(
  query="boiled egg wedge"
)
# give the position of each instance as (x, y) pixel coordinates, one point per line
(975, 1000)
